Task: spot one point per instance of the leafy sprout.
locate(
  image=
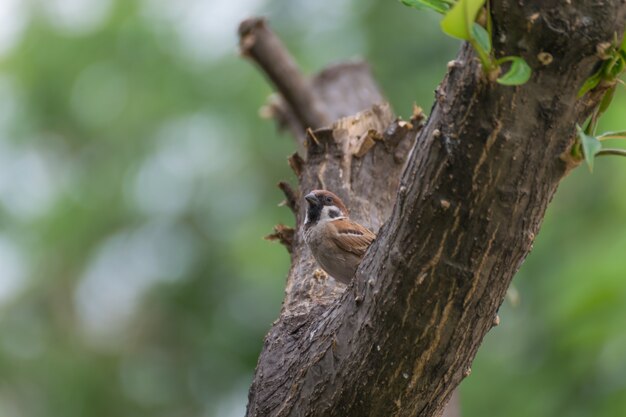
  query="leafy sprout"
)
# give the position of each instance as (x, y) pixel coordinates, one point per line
(591, 146)
(459, 22)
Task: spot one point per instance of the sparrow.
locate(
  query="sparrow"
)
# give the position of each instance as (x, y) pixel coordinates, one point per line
(337, 243)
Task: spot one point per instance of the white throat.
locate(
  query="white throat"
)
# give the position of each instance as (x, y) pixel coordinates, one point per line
(326, 214)
(330, 213)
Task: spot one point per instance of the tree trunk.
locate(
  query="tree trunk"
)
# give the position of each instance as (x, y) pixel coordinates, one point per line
(456, 215)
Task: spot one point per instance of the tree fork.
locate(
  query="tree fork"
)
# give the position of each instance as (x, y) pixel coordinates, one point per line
(459, 213)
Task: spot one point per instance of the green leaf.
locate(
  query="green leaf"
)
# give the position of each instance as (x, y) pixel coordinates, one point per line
(623, 47)
(613, 135)
(481, 36)
(619, 65)
(607, 98)
(440, 6)
(458, 21)
(590, 83)
(613, 67)
(519, 72)
(591, 146)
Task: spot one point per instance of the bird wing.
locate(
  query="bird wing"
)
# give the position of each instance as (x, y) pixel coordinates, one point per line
(352, 237)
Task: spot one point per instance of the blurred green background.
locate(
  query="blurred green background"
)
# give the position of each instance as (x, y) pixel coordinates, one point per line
(137, 181)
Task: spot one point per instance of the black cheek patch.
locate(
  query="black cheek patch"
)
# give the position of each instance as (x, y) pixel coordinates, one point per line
(333, 213)
(313, 213)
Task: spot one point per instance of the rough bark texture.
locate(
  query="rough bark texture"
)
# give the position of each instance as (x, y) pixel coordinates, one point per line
(455, 217)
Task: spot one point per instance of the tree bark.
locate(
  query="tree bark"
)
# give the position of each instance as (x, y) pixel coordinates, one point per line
(455, 216)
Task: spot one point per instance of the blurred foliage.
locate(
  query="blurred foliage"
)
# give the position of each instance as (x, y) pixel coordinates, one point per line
(137, 182)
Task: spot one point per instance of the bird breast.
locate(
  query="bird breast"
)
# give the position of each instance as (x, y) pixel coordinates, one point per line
(339, 264)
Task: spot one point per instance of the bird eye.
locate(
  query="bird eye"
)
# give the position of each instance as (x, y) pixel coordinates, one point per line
(329, 200)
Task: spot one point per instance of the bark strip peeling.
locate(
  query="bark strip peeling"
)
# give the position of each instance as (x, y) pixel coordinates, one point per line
(467, 209)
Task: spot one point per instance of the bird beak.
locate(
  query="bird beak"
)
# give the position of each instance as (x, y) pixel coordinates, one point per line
(311, 198)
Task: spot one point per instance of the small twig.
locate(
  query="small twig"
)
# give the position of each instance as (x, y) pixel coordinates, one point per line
(611, 151)
(277, 108)
(291, 200)
(261, 45)
(284, 234)
(296, 163)
(311, 135)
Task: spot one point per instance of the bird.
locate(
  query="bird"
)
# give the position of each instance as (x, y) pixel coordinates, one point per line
(337, 243)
